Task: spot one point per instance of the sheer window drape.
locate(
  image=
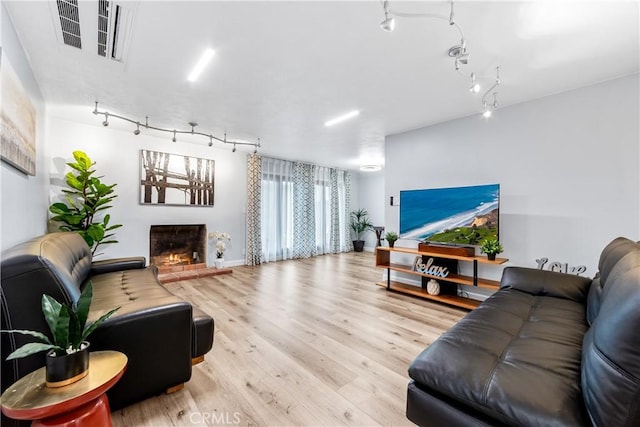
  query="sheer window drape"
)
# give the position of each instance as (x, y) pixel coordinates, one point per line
(303, 210)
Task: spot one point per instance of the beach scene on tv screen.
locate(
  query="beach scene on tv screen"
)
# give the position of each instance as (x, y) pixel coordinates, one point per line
(460, 215)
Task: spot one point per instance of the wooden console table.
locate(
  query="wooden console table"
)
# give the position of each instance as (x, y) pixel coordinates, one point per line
(82, 403)
(383, 260)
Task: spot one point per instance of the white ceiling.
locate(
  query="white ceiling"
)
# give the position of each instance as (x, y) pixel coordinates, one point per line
(282, 69)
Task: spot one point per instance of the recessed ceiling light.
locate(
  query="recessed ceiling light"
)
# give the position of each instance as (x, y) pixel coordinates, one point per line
(370, 168)
(342, 118)
(202, 62)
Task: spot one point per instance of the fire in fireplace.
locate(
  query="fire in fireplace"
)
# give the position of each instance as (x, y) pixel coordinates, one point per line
(174, 245)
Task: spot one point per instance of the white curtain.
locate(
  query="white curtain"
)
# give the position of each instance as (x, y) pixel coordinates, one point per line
(304, 210)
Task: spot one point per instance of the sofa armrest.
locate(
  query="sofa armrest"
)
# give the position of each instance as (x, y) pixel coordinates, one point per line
(117, 264)
(546, 283)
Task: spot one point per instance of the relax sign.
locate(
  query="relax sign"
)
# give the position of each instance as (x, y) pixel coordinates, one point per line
(429, 267)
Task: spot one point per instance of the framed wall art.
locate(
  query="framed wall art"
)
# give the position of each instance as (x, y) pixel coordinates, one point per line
(174, 179)
(17, 121)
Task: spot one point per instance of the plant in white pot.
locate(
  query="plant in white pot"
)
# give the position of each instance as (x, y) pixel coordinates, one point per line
(221, 239)
(67, 358)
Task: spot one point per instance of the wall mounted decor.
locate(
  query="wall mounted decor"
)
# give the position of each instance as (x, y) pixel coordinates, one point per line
(17, 121)
(561, 267)
(173, 179)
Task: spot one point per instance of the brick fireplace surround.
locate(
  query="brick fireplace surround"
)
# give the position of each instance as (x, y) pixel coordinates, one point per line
(179, 252)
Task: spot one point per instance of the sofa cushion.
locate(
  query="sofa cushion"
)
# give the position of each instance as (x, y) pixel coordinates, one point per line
(66, 255)
(611, 352)
(515, 358)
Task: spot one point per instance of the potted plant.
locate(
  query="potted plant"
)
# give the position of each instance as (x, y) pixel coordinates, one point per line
(359, 223)
(67, 358)
(391, 237)
(86, 200)
(491, 247)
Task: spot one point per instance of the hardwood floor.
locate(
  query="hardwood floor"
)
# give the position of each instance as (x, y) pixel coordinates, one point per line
(300, 343)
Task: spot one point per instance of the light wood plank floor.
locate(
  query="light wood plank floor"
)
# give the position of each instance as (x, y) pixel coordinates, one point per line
(300, 343)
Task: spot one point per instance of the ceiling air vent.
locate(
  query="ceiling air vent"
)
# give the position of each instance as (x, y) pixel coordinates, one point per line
(114, 24)
(103, 27)
(70, 22)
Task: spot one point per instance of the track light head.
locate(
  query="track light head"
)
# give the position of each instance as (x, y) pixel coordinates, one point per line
(389, 24)
(137, 131)
(106, 122)
(174, 136)
(475, 86)
(487, 111)
(234, 148)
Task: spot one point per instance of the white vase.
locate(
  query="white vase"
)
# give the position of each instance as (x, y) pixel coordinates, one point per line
(219, 262)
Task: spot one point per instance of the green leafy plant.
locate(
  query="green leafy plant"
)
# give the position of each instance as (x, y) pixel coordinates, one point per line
(359, 222)
(67, 325)
(391, 236)
(87, 197)
(491, 247)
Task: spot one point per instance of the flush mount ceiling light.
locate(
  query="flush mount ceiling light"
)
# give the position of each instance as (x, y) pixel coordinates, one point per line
(370, 168)
(202, 62)
(342, 118)
(459, 52)
(174, 132)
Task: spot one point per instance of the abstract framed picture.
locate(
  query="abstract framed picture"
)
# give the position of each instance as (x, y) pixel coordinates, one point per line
(17, 121)
(174, 179)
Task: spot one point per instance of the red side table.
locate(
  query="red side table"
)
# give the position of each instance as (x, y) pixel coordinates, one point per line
(82, 403)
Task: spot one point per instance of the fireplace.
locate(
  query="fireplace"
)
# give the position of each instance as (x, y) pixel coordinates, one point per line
(177, 245)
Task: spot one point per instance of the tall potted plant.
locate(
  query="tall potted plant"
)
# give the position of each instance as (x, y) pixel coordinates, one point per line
(359, 223)
(85, 201)
(67, 358)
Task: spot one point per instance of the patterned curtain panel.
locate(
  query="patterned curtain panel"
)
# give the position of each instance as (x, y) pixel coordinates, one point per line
(254, 183)
(304, 223)
(336, 234)
(347, 243)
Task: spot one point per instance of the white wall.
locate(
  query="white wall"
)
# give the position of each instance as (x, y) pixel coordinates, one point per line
(568, 166)
(117, 156)
(23, 208)
(370, 196)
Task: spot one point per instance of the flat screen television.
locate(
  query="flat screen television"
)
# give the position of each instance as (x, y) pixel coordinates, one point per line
(457, 215)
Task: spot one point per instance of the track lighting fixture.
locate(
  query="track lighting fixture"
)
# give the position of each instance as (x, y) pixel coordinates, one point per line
(487, 111)
(488, 108)
(175, 132)
(458, 52)
(475, 86)
(234, 148)
(389, 22)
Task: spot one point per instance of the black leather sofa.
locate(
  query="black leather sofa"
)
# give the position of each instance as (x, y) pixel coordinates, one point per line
(547, 349)
(160, 333)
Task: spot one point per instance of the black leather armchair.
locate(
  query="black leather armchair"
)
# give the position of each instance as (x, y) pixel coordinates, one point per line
(547, 349)
(160, 333)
